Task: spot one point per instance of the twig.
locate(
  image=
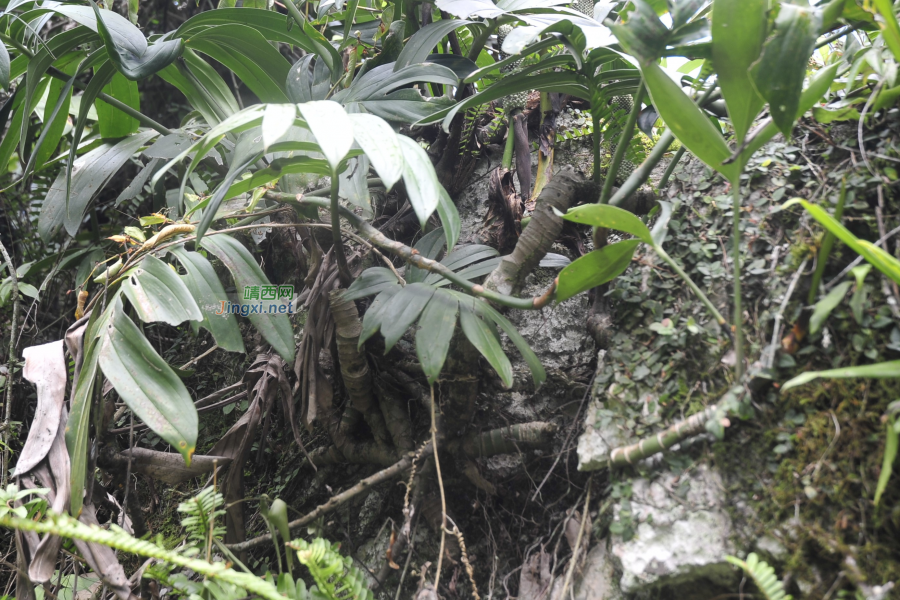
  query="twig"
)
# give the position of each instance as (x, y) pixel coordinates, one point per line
(860, 127)
(385, 474)
(584, 518)
(7, 411)
(437, 466)
(770, 359)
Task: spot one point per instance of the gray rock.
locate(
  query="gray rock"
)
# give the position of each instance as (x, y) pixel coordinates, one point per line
(601, 434)
(598, 579)
(680, 541)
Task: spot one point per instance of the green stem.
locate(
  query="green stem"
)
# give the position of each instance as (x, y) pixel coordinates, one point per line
(622, 145)
(671, 168)
(343, 268)
(640, 175)
(295, 13)
(54, 72)
(736, 250)
(377, 238)
(827, 245)
(697, 291)
(510, 144)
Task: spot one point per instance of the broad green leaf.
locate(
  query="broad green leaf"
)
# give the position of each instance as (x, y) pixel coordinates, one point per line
(429, 246)
(857, 301)
(11, 139)
(56, 116)
(890, 29)
(381, 145)
(402, 311)
(274, 327)
(4, 67)
(661, 227)
(880, 259)
(738, 32)
(689, 124)
(404, 106)
(826, 305)
(277, 120)
(450, 220)
(204, 88)
(372, 281)
(382, 80)
(643, 35)
(611, 217)
(157, 293)
(422, 186)
(825, 115)
(780, 71)
(420, 45)
(373, 317)
(200, 278)
(463, 256)
(250, 55)
(112, 121)
(538, 374)
(78, 425)
(269, 24)
(891, 442)
(331, 127)
(484, 338)
(91, 172)
(435, 331)
(885, 370)
(471, 272)
(595, 268)
(147, 384)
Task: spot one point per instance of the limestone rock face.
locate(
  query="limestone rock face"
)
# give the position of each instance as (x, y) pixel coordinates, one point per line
(682, 538)
(599, 581)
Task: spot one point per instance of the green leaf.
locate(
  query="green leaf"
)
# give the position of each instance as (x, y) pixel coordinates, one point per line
(884, 370)
(738, 32)
(402, 311)
(611, 217)
(689, 124)
(538, 374)
(825, 115)
(450, 220)
(429, 246)
(595, 268)
(157, 294)
(269, 24)
(275, 328)
(643, 35)
(200, 278)
(890, 29)
(422, 186)
(826, 305)
(277, 120)
(462, 257)
(372, 281)
(484, 338)
(112, 121)
(435, 331)
(373, 317)
(331, 127)
(4, 67)
(147, 384)
(420, 45)
(780, 71)
(880, 259)
(125, 44)
(91, 172)
(55, 119)
(382, 80)
(891, 442)
(661, 227)
(381, 145)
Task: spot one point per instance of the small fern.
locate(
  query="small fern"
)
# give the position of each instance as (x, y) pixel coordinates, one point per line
(335, 575)
(202, 512)
(763, 575)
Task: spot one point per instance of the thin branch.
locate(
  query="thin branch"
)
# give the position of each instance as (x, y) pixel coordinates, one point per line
(7, 411)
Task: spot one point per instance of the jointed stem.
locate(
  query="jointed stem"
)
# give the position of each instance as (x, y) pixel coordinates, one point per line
(343, 269)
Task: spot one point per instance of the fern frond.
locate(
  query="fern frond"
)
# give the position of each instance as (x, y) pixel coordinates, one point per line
(335, 575)
(763, 576)
(202, 512)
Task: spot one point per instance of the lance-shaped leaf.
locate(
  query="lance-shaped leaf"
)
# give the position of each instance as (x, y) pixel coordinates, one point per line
(420, 45)
(274, 327)
(484, 337)
(827, 304)
(884, 370)
(429, 246)
(331, 127)
(157, 294)
(200, 278)
(450, 221)
(277, 120)
(611, 217)
(890, 29)
(381, 145)
(402, 311)
(373, 317)
(372, 281)
(689, 124)
(738, 32)
(435, 331)
(126, 45)
(147, 384)
(880, 259)
(538, 374)
(4, 67)
(421, 181)
(780, 71)
(595, 268)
